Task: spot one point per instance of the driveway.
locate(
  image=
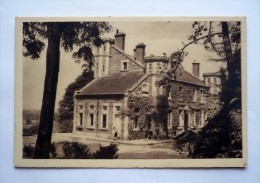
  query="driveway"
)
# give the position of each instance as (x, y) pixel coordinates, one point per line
(134, 149)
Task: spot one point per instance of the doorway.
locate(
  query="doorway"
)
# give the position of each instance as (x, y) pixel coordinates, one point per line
(186, 120)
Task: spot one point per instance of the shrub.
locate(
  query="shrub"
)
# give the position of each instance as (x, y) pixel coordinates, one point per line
(75, 150)
(31, 130)
(66, 126)
(185, 141)
(106, 152)
(28, 150)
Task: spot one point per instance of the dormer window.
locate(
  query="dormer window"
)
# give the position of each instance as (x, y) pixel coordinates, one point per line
(145, 88)
(124, 66)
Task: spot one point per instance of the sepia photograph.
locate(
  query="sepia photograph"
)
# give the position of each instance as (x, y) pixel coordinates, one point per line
(140, 92)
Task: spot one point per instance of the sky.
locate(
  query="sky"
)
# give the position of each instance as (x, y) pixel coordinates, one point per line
(159, 37)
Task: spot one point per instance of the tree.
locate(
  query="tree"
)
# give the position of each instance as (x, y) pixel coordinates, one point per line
(66, 105)
(162, 110)
(69, 36)
(222, 136)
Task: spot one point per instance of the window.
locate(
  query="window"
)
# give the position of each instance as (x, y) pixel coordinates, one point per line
(80, 107)
(215, 80)
(104, 121)
(150, 67)
(194, 95)
(104, 48)
(117, 108)
(105, 108)
(124, 66)
(203, 97)
(103, 68)
(80, 119)
(91, 120)
(208, 80)
(180, 89)
(169, 120)
(136, 123)
(145, 88)
(91, 107)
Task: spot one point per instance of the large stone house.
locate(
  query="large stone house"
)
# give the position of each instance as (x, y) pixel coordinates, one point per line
(118, 76)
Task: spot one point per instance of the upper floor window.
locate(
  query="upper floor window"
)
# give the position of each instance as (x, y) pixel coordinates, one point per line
(80, 107)
(104, 48)
(150, 67)
(203, 100)
(180, 89)
(103, 68)
(208, 80)
(215, 80)
(145, 88)
(105, 108)
(91, 107)
(117, 108)
(194, 99)
(124, 66)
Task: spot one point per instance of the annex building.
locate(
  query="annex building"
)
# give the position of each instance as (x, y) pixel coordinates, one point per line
(99, 106)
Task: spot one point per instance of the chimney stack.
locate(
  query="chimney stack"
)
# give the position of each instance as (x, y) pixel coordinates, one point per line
(140, 52)
(196, 69)
(120, 40)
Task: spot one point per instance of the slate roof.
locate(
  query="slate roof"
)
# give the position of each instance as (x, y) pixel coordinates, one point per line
(184, 76)
(112, 84)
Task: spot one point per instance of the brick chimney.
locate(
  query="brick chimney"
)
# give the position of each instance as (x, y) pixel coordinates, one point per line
(120, 40)
(196, 69)
(140, 52)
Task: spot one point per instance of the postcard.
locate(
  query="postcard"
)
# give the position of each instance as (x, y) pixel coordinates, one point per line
(130, 92)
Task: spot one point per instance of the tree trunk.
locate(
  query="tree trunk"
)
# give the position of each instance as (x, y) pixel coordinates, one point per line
(49, 95)
(229, 58)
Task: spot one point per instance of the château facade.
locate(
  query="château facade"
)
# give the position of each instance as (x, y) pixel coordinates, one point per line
(99, 106)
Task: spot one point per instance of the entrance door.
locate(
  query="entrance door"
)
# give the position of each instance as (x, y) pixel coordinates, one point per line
(118, 125)
(186, 120)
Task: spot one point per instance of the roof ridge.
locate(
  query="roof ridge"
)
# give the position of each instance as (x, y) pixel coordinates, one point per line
(128, 56)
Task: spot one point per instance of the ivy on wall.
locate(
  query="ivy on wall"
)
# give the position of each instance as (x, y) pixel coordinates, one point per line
(138, 108)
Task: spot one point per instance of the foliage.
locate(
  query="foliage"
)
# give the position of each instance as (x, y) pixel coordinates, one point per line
(75, 150)
(79, 37)
(221, 137)
(185, 141)
(66, 105)
(30, 130)
(66, 126)
(53, 150)
(138, 108)
(106, 152)
(162, 110)
(28, 150)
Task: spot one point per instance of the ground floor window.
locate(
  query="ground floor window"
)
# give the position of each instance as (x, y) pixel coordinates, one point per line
(136, 122)
(104, 121)
(80, 119)
(91, 120)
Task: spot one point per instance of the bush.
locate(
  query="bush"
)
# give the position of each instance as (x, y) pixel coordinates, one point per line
(106, 152)
(185, 141)
(66, 126)
(30, 130)
(28, 150)
(221, 137)
(75, 150)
